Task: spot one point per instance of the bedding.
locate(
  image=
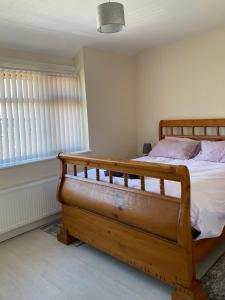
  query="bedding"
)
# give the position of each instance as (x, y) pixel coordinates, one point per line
(207, 192)
(172, 148)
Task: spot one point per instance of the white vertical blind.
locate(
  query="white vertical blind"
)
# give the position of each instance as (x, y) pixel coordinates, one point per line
(41, 114)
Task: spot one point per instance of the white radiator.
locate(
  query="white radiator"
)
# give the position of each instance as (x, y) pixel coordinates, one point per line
(26, 204)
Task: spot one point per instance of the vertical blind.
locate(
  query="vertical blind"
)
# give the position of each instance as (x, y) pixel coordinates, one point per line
(41, 114)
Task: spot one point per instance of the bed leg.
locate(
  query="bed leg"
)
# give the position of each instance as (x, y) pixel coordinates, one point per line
(195, 292)
(64, 237)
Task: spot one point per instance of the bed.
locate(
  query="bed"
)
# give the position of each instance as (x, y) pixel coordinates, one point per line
(150, 229)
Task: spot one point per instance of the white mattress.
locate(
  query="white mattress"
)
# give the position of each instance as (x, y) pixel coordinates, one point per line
(207, 192)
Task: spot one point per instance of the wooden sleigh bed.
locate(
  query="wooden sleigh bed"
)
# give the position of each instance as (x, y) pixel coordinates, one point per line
(149, 231)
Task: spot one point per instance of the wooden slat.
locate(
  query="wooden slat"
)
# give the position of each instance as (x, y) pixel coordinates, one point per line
(142, 183)
(110, 177)
(162, 187)
(85, 172)
(205, 131)
(75, 170)
(125, 180)
(97, 175)
(218, 131)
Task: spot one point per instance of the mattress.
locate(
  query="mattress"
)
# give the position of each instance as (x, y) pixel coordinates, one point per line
(207, 192)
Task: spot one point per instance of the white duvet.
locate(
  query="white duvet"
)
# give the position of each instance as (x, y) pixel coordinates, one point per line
(207, 192)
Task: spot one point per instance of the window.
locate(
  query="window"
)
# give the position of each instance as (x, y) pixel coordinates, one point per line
(41, 114)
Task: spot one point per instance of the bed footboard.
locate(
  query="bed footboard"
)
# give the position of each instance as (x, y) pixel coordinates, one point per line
(150, 231)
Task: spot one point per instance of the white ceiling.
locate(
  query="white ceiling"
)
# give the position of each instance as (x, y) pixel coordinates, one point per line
(62, 27)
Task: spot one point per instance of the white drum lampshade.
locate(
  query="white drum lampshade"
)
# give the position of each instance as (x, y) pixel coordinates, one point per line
(110, 17)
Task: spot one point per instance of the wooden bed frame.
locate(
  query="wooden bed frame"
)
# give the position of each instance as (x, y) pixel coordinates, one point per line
(149, 231)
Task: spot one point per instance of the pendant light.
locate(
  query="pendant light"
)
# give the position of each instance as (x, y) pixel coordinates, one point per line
(110, 17)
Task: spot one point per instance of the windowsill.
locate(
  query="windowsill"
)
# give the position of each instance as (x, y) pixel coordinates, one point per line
(34, 161)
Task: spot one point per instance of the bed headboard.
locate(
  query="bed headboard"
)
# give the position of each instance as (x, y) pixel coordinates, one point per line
(198, 129)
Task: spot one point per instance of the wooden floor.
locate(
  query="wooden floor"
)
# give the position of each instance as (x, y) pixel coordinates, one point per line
(36, 266)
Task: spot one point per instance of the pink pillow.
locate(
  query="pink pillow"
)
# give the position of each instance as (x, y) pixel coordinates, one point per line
(184, 139)
(175, 149)
(181, 139)
(212, 151)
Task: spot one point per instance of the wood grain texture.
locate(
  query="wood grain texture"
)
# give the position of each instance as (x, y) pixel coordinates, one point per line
(154, 170)
(195, 292)
(130, 245)
(193, 124)
(64, 237)
(147, 230)
(137, 208)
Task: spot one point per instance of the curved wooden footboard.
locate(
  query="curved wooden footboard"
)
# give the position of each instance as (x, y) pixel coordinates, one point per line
(147, 230)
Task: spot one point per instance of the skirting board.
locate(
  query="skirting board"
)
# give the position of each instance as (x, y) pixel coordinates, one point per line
(29, 227)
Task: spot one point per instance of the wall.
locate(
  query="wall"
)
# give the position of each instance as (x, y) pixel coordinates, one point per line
(110, 89)
(35, 57)
(183, 80)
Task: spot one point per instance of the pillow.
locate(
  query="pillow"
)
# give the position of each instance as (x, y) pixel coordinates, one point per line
(181, 139)
(184, 139)
(212, 151)
(175, 149)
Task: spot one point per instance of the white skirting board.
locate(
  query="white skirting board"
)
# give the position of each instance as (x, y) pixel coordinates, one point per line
(28, 206)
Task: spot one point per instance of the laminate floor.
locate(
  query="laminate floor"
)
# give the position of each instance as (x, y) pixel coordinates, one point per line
(36, 266)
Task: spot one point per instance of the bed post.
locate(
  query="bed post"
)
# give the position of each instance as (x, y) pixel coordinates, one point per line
(160, 130)
(195, 290)
(63, 235)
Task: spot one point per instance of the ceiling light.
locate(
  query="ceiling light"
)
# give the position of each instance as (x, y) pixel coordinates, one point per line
(110, 17)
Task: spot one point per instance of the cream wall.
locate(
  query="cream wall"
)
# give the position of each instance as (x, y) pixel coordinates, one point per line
(110, 89)
(183, 80)
(35, 57)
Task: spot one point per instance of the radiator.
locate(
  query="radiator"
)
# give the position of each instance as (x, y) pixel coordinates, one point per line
(27, 203)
